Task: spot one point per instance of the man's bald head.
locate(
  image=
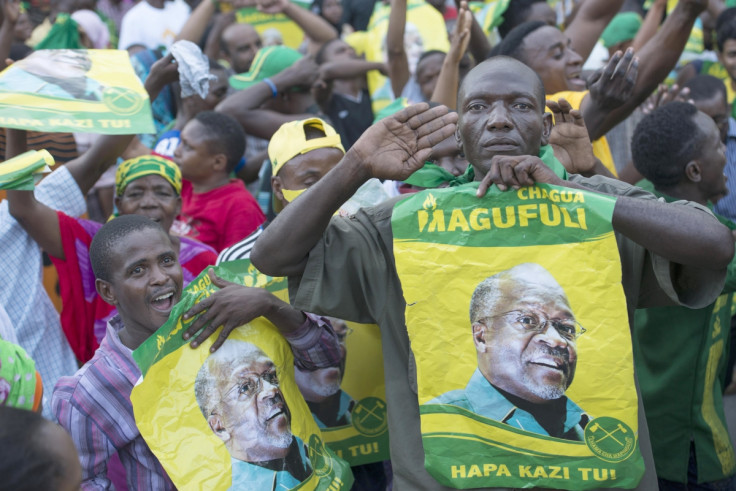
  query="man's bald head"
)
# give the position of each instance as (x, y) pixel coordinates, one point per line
(514, 69)
(501, 112)
(240, 42)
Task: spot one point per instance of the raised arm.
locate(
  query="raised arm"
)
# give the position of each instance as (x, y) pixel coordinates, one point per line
(10, 12)
(40, 221)
(196, 25)
(656, 59)
(245, 105)
(391, 149)
(445, 92)
(315, 27)
(398, 62)
(685, 235)
(650, 25)
(589, 22)
(479, 45)
(348, 69)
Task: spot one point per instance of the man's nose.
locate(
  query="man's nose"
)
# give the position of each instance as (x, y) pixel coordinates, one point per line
(551, 336)
(499, 118)
(573, 58)
(268, 390)
(158, 276)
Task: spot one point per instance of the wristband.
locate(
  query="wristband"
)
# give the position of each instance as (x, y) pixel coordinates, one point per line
(240, 165)
(274, 91)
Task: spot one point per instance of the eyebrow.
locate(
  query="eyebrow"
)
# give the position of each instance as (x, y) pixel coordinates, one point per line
(144, 260)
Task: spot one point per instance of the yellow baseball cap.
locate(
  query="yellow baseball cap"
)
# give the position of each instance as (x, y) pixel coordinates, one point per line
(290, 140)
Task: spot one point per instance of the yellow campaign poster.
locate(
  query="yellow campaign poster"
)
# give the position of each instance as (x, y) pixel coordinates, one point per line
(233, 419)
(518, 323)
(74, 90)
(347, 402)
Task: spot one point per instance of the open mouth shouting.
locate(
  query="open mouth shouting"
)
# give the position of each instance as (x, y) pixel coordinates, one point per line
(164, 302)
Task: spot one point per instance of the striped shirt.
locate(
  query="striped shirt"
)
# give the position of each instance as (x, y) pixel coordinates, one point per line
(240, 250)
(94, 405)
(24, 298)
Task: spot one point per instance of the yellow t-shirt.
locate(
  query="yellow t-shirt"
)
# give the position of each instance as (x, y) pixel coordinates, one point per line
(600, 146)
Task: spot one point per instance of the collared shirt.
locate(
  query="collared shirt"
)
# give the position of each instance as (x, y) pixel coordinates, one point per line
(23, 296)
(252, 476)
(482, 398)
(727, 205)
(94, 405)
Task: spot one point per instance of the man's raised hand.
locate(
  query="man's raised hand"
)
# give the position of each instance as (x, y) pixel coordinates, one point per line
(612, 86)
(398, 145)
(569, 138)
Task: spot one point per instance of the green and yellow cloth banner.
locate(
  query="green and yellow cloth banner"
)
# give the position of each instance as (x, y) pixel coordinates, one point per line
(74, 90)
(233, 419)
(23, 172)
(348, 403)
(518, 324)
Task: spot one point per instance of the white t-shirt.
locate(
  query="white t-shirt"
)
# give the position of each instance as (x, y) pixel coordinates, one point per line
(152, 27)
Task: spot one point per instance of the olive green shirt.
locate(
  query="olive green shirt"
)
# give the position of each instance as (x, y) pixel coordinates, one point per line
(351, 274)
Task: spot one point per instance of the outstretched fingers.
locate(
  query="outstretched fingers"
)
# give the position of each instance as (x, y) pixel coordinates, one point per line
(435, 131)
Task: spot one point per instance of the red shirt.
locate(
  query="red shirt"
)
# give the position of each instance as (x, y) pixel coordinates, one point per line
(220, 217)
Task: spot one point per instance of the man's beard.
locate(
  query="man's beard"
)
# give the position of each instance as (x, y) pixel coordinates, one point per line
(548, 391)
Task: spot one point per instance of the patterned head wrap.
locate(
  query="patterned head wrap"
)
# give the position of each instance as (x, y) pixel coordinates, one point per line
(147, 165)
(19, 382)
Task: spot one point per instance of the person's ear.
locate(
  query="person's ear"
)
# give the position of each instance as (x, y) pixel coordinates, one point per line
(459, 140)
(117, 201)
(276, 187)
(106, 291)
(479, 337)
(693, 171)
(546, 127)
(218, 428)
(219, 163)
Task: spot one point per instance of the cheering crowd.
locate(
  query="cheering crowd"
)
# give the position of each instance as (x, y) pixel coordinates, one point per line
(319, 118)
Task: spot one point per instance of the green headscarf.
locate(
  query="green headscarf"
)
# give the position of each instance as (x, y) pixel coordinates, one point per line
(432, 175)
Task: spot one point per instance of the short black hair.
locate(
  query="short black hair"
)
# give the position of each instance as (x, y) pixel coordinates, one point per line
(725, 27)
(515, 15)
(704, 87)
(319, 58)
(429, 53)
(538, 90)
(26, 462)
(664, 142)
(513, 42)
(104, 242)
(223, 134)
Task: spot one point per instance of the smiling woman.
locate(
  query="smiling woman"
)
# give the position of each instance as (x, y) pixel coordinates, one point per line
(148, 186)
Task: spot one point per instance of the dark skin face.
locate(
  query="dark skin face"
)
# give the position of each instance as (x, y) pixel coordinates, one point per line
(710, 179)
(339, 50)
(547, 51)
(145, 284)
(304, 170)
(242, 43)
(428, 71)
(332, 11)
(717, 108)
(153, 197)
(500, 107)
(728, 58)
